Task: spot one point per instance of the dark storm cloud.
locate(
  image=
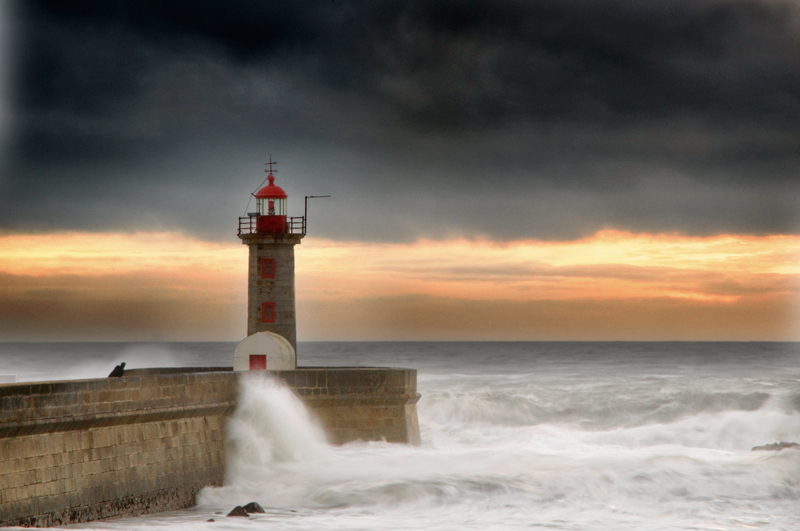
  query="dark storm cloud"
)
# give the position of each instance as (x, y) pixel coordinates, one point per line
(508, 119)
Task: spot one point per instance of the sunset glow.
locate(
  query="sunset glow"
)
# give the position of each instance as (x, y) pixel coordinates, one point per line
(127, 282)
(610, 264)
(90, 254)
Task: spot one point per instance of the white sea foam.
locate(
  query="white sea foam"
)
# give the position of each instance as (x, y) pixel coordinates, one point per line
(271, 433)
(271, 426)
(508, 452)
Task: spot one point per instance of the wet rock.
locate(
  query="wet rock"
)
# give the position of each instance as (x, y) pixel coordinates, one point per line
(775, 447)
(253, 507)
(238, 511)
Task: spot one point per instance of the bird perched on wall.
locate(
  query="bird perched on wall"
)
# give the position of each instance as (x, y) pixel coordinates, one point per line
(118, 371)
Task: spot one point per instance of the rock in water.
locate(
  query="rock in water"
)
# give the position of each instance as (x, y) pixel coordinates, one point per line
(118, 371)
(238, 511)
(253, 507)
(776, 446)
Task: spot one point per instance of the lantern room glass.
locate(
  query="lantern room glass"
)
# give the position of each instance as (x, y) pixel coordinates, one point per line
(271, 207)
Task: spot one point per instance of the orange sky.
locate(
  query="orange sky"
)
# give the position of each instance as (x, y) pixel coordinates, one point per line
(613, 285)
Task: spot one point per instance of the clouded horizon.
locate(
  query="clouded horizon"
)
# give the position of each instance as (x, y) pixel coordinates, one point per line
(429, 119)
(437, 121)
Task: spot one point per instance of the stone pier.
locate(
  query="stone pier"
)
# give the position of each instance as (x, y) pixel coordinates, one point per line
(82, 450)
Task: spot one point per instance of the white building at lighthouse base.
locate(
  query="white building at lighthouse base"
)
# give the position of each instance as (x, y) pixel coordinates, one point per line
(264, 351)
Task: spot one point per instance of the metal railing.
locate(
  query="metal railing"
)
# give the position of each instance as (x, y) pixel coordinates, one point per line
(294, 225)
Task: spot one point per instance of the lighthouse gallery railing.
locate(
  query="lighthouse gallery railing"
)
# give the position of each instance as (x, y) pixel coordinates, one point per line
(294, 225)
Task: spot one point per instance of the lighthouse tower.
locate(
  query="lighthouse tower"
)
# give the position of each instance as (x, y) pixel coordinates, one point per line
(271, 237)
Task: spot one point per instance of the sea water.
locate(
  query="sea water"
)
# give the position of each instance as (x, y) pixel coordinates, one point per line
(567, 436)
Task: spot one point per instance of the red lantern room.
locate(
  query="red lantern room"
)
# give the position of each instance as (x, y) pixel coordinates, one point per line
(271, 206)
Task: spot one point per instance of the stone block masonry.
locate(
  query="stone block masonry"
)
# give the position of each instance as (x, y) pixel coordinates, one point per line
(272, 284)
(370, 404)
(82, 450)
(76, 451)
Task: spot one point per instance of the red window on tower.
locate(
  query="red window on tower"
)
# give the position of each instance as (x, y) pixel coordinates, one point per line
(267, 312)
(267, 268)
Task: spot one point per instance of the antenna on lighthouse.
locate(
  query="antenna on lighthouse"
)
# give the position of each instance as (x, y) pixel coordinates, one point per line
(305, 210)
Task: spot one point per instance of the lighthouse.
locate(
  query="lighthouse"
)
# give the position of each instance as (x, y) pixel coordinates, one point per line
(271, 236)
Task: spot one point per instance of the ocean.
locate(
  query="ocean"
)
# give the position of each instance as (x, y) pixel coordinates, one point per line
(531, 435)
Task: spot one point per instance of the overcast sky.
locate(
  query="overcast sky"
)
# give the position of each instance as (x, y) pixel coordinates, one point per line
(507, 120)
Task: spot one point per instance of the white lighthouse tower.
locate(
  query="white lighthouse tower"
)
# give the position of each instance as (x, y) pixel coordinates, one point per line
(271, 319)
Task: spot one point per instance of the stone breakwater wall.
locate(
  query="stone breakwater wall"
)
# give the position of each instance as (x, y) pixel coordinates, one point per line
(82, 450)
(370, 404)
(75, 451)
